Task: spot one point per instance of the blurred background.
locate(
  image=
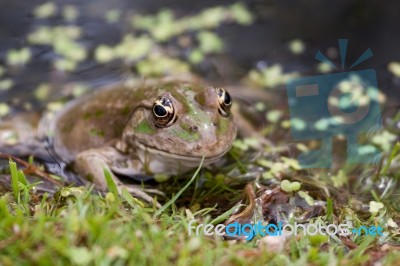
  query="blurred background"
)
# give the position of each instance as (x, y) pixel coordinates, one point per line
(59, 49)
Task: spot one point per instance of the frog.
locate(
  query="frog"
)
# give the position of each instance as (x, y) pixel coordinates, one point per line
(140, 130)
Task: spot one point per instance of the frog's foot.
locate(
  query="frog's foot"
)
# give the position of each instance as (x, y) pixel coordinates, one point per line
(92, 163)
(138, 192)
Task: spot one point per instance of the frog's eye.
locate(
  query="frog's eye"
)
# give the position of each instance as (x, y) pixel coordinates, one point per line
(163, 112)
(225, 102)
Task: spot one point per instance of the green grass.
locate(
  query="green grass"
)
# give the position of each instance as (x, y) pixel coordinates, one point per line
(78, 226)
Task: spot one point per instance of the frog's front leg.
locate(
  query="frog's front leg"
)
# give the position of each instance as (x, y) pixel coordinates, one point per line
(92, 163)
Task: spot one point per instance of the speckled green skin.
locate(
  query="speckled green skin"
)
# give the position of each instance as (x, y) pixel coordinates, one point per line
(124, 114)
(114, 129)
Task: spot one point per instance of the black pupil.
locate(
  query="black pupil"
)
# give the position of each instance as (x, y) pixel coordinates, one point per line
(227, 99)
(160, 110)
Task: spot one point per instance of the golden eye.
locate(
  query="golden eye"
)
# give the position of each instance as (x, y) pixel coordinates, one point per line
(163, 112)
(225, 102)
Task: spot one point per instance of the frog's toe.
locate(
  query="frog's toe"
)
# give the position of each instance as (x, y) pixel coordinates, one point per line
(92, 163)
(138, 193)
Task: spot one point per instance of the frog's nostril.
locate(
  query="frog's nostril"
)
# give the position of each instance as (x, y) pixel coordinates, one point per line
(215, 124)
(194, 128)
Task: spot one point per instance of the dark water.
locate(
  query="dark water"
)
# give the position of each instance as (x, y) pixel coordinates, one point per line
(367, 24)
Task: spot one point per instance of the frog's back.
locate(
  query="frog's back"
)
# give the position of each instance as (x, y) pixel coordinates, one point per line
(93, 120)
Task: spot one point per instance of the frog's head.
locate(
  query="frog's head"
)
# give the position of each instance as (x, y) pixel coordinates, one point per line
(185, 122)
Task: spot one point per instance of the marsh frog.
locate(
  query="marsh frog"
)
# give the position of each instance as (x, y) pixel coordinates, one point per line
(142, 130)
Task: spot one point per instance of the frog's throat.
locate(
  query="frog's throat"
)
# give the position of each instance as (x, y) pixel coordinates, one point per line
(180, 157)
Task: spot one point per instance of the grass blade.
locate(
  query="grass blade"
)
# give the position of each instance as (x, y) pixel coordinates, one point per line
(329, 209)
(112, 187)
(226, 214)
(14, 179)
(174, 198)
(393, 154)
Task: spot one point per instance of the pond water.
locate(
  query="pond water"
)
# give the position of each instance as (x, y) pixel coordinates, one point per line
(367, 24)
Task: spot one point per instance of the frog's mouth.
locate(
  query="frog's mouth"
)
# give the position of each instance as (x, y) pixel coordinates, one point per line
(180, 157)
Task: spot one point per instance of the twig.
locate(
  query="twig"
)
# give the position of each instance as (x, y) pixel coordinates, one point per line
(249, 191)
(31, 169)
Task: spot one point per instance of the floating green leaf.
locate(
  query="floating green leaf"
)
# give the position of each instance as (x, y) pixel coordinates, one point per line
(289, 187)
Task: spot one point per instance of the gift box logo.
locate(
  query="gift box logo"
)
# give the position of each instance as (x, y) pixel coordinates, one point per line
(325, 106)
